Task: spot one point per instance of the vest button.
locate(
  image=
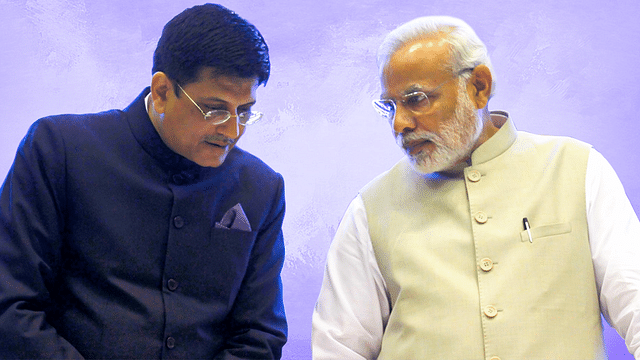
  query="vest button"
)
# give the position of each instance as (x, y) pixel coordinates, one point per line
(490, 311)
(481, 217)
(171, 342)
(486, 264)
(474, 176)
(178, 222)
(494, 358)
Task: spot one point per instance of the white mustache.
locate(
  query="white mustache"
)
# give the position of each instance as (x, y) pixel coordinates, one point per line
(403, 140)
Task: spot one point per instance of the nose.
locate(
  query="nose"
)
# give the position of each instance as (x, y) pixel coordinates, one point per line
(230, 128)
(403, 121)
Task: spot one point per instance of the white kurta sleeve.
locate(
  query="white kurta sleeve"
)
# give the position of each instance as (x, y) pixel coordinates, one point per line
(614, 235)
(353, 306)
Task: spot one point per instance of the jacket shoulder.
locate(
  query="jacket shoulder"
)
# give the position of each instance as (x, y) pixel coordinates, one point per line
(248, 164)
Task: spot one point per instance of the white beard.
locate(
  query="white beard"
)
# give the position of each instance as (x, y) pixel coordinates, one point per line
(454, 142)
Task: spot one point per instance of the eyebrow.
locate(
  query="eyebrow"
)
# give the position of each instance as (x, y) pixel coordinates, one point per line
(215, 99)
(411, 89)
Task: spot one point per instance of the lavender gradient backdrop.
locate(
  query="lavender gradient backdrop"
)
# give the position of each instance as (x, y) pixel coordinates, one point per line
(563, 67)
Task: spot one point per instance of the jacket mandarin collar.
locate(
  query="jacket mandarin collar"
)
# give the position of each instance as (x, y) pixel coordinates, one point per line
(181, 169)
(499, 142)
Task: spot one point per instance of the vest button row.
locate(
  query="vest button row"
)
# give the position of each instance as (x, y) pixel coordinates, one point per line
(490, 311)
(474, 176)
(486, 264)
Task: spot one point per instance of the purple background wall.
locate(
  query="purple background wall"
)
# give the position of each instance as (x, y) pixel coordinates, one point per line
(563, 67)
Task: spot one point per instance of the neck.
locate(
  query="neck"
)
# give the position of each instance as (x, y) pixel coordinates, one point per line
(488, 128)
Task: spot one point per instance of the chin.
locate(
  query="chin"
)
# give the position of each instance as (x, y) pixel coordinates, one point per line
(210, 157)
(210, 161)
(213, 164)
(423, 169)
(429, 165)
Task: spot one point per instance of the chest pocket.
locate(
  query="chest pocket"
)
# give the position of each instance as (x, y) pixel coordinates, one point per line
(221, 262)
(545, 231)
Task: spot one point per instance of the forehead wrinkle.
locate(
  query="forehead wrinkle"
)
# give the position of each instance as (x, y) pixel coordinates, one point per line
(409, 90)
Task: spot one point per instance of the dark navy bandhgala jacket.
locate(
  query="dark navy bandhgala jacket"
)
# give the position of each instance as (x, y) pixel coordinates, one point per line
(109, 249)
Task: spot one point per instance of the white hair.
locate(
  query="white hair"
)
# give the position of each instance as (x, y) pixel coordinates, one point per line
(467, 50)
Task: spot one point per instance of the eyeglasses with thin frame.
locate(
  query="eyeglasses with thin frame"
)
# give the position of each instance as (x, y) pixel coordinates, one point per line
(417, 101)
(217, 117)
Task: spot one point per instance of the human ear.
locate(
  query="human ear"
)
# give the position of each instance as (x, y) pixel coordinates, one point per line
(481, 81)
(160, 87)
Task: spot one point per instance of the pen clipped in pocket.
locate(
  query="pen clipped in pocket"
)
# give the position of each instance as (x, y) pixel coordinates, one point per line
(538, 232)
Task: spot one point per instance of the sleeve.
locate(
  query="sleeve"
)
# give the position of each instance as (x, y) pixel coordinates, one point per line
(353, 307)
(614, 235)
(31, 224)
(258, 326)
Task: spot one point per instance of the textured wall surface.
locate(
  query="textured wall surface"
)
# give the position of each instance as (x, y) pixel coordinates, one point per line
(563, 68)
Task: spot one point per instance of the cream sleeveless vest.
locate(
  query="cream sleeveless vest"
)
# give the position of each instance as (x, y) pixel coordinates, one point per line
(464, 279)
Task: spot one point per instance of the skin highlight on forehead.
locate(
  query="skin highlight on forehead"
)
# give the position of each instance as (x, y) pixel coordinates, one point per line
(427, 44)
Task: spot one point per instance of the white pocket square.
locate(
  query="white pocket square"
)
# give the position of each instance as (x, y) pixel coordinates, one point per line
(234, 218)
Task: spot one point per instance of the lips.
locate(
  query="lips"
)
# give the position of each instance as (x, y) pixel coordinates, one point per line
(217, 144)
(415, 146)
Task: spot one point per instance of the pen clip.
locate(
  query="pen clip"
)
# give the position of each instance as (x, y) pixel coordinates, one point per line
(527, 227)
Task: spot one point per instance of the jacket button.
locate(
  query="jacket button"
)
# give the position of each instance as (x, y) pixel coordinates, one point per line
(178, 222)
(172, 284)
(171, 342)
(481, 217)
(474, 176)
(486, 264)
(490, 311)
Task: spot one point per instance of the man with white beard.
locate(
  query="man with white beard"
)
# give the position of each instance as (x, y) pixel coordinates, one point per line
(483, 242)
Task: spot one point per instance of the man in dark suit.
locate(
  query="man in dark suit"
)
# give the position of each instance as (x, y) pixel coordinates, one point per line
(145, 233)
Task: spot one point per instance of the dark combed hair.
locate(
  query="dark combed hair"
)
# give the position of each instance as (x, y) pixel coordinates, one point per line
(211, 35)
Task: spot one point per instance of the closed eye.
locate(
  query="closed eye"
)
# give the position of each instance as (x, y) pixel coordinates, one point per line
(416, 100)
(213, 108)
